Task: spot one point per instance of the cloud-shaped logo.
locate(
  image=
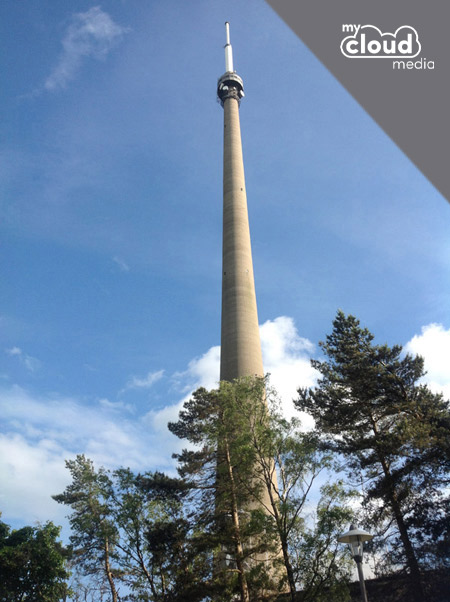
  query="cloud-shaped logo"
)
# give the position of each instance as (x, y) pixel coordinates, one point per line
(368, 41)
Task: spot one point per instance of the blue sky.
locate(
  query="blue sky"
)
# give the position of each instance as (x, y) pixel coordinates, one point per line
(111, 167)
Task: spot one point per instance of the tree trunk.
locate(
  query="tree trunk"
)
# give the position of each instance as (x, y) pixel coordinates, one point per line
(268, 478)
(417, 592)
(108, 572)
(239, 551)
(417, 589)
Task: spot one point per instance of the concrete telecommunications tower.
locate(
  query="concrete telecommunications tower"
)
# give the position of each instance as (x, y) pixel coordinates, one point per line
(240, 343)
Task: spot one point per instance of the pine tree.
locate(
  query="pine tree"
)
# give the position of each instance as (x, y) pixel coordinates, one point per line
(94, 534)
(159, 555)
(241, 441)
(132, 530)
(370, 407)
(221, 471)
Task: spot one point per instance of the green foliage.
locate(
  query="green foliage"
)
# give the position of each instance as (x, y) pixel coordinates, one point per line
(226, 529)
(94, 533)
(322, 566)
(274, 514)
(160, 556)
(290, 463)
(32, 564)
(391, 430)
(221, 470)
(130, 532)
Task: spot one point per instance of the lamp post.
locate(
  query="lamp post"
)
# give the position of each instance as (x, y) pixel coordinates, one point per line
(355, 538)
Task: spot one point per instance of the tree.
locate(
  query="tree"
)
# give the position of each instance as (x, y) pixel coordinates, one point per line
(370, 407)
(94, 534)
(159, 556)
(322, 567)
(288, 462)
(32, 564)
(221, 472)
(132, 530)
(242, 442)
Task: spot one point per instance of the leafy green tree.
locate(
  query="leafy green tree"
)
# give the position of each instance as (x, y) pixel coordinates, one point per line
(132, 530)
(94, 533)
(32, 564)
(288, 462)
(273, 514)
(159, 556)
(322, 566)
(221, 472)
(370, 407)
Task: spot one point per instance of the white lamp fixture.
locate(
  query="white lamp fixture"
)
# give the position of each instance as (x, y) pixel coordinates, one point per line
(355, 539)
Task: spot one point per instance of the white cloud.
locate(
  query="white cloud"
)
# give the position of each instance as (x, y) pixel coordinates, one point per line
(433, 344)
(122, 265)
(158, 420)
(90, 34)
(14, 351)
(30, 473)
(286, 357)
(41, 431)
(143, 383)
(202, 371)
(32, 364)
(71, 424)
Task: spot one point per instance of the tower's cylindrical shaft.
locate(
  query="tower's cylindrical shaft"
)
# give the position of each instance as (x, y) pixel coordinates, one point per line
(240, 342)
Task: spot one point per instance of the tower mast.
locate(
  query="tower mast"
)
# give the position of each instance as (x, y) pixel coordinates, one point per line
(240, 342)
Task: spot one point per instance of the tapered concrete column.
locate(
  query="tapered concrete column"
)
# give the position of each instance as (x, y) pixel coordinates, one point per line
(240, 341)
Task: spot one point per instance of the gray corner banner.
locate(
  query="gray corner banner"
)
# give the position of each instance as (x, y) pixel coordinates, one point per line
(406, 92)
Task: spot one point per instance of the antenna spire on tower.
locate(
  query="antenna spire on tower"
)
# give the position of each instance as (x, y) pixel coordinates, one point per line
(228, 51)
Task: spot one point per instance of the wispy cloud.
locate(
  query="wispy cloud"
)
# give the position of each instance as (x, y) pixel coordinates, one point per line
(39, 432)
(121, 264)
(32, 364)
(145, 382)
(116, 406)
(14, 351)
(90, 34)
